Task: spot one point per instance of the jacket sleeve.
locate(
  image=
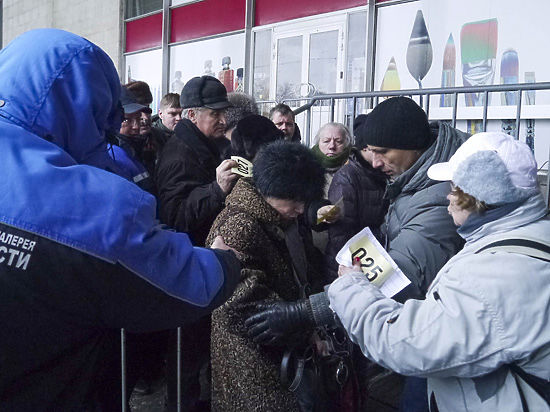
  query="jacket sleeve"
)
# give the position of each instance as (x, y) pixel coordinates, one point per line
(426, 240)
(339, 232)
(117, 297)
(186, 202)
(451, 333)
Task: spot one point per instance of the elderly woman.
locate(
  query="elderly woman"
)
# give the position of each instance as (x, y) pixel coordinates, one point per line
(260, 221)
(481, 336)
(332, 147)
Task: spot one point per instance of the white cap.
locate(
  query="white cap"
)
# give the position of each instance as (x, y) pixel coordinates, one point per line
(493, 167)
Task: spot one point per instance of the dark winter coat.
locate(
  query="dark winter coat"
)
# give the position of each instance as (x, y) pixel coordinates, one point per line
(128, 156)
(162, 133)
(189, 197)
(420, 235)
(362, 189)
(245, 376)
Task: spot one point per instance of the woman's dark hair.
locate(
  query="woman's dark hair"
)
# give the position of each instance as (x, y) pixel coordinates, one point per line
(251, 134)
(290, 171)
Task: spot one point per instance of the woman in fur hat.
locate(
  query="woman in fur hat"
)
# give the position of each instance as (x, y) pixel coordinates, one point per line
(260, 221)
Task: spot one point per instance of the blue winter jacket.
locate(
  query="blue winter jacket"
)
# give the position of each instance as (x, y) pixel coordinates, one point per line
(80, 249)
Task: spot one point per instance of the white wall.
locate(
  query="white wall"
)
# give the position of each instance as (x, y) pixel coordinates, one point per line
(97, 20)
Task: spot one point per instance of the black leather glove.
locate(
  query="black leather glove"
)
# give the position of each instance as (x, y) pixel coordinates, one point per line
(276, 322)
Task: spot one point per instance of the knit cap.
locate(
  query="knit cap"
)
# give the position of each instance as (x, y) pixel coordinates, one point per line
(396, 123)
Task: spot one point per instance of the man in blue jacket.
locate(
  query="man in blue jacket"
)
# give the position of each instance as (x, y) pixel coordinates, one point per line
(81, 254)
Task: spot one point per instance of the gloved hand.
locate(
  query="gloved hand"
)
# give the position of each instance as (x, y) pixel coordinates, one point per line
(276, 322)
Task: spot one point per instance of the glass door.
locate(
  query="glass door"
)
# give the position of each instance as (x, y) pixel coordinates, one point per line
(308, 58)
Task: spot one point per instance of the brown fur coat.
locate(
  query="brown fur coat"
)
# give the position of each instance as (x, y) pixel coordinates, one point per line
(245, 376)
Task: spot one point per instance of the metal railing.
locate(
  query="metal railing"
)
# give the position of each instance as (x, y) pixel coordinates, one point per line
(328, 111)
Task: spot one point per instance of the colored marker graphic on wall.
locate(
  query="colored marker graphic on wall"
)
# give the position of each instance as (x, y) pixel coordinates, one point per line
(419, 50)
(391, 77)
(509, 74)
(530, 100)
(478, 46)
(448, 72)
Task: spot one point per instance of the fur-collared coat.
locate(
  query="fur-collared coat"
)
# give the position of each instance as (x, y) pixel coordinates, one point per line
(245, 376)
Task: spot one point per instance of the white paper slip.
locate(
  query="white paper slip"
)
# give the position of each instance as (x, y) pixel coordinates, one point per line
(376, 264)
(244, 167)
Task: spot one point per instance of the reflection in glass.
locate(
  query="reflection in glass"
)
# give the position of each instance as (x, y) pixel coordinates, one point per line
(357, 39)
(262, 59)
(289, 67)
(323, 54)
(136, 8)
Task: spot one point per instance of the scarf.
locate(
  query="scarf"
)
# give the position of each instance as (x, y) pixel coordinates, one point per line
(331, 162)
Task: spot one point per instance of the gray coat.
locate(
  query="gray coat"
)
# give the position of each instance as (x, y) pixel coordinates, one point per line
(420, 235)
(483, 311)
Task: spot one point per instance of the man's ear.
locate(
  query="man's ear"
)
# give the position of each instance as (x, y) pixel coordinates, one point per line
(160, 114)
(192, 115)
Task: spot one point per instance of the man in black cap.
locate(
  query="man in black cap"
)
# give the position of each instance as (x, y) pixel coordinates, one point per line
(128, 151)
(192, 186)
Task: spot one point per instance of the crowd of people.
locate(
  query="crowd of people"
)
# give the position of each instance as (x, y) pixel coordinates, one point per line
(114, 218)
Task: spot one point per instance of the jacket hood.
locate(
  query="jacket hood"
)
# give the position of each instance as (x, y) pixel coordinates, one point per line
(43, 78)
(60, 95)
(528, 211)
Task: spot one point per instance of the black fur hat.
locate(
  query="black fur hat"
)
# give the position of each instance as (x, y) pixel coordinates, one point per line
(290, 171)
(251, 133)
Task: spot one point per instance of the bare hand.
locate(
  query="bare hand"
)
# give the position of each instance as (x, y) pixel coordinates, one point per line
(343, 270)
(329, 214)
(219, 243)
(225, 177)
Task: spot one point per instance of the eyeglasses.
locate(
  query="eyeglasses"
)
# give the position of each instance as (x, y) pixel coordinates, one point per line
(133, 122)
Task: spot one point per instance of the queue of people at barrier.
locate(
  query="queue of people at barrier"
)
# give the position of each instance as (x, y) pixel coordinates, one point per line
(206, 217)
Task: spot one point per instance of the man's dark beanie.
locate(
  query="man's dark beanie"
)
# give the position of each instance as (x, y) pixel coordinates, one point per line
(396, 123)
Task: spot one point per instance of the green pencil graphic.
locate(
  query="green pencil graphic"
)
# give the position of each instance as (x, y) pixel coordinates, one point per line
(478, 44)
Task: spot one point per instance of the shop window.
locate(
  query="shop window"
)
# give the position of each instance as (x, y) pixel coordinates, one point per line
(356, 51)
(206, 57)
(262, 64)
(146, 66)
(136, 8)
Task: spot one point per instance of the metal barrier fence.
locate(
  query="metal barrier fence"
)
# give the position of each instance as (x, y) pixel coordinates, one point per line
(314, 111)
(344, 107)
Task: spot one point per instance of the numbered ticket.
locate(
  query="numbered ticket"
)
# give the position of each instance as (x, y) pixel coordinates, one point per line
(376, 264)
(244, 167)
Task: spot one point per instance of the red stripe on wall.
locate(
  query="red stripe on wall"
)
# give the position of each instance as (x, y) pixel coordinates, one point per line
(206, 18)
(273, 11)
(144, 33)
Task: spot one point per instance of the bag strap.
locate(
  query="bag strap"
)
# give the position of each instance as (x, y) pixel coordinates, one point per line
(526, 247)
(535, 250)
(539, 385)
(293, 382)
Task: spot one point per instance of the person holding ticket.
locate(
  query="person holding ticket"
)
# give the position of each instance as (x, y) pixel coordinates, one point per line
(481, 335)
